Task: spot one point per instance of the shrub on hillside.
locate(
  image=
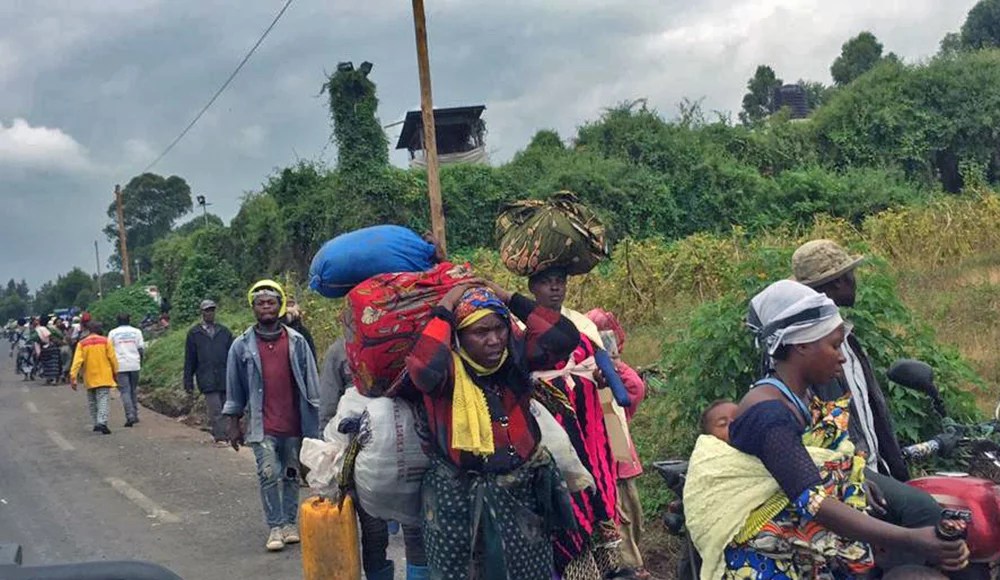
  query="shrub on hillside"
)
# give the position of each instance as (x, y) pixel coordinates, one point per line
(925, 119)
(712, 355)
(203, 277)
(132, 300)
(169, 256)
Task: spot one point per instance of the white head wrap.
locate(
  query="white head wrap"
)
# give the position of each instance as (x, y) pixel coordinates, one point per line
(788, 312)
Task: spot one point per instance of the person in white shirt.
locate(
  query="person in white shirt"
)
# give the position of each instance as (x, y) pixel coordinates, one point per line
(129, 347)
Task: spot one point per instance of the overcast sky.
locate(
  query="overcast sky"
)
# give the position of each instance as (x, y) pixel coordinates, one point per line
(92, 90)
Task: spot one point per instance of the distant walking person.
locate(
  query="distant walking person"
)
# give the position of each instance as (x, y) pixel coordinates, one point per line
(129, 347)
(271, 375)
(96, 357)
(205, 359)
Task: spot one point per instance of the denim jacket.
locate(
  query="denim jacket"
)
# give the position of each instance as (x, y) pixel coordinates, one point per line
(245, 383)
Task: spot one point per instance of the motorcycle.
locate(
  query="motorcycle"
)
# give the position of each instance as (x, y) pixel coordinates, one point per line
(26, 362)
(975, 494)
(674, 473)
(975, 491)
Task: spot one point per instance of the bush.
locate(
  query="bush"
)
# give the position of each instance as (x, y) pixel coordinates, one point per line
(203, 277)
(132, 300)
(170, 254)
(713, 357)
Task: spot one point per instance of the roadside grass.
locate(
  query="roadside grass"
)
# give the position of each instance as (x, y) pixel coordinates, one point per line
(162, 376)
(962, 304)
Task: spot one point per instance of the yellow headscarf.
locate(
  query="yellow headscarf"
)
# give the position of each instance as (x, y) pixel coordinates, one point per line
(471, 426)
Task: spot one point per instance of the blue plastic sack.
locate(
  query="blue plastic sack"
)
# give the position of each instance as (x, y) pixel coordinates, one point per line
(349, 259)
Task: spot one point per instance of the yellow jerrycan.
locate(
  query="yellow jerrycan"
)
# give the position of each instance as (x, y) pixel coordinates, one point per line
(329, 533)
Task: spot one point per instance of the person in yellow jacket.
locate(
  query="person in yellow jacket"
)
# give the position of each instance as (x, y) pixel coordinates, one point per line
(95, 355)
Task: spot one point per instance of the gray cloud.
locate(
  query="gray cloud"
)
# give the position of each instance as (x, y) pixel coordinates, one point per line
(110, 82)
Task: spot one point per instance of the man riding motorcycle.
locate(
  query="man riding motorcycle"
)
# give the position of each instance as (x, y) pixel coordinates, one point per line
(20, 344)
(829, 269)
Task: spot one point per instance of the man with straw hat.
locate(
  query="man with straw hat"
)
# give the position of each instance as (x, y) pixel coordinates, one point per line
(829, 269)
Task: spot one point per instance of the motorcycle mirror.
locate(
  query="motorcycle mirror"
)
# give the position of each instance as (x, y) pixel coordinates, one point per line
(913, 374)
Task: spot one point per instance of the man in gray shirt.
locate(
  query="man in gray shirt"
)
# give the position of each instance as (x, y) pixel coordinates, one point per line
(334, 379)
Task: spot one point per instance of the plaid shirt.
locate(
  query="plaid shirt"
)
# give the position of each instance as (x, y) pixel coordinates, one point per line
(549, 338)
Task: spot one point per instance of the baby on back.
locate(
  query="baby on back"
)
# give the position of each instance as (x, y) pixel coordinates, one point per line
(716, 418)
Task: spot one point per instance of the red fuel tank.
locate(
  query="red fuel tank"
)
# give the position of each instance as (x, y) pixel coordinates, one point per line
(981, 497)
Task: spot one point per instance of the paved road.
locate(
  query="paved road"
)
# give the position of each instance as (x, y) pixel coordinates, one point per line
(159, 492)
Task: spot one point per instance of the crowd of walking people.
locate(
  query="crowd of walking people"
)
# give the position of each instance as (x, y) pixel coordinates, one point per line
(805, 468)
(494, 503)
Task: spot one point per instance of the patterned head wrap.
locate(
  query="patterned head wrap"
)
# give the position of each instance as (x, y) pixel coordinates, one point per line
(788, 312)
(472, 430)
(476, 304)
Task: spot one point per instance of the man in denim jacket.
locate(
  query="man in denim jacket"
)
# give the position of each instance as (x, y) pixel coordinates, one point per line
(271, 375)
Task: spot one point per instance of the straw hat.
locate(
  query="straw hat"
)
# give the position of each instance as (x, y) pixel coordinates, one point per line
(820, 261)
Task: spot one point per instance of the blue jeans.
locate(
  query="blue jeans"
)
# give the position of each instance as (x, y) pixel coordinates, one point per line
(278, 473)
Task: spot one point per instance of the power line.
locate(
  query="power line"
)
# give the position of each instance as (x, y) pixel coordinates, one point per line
(219, 92)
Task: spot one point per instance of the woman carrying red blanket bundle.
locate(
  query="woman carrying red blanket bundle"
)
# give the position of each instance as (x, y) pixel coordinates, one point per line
(492, 496)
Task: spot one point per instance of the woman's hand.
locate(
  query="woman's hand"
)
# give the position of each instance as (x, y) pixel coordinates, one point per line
(501, 292)
(450, 300)
(949, 555)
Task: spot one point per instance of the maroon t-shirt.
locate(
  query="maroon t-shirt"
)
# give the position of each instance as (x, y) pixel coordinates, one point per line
(281, 397)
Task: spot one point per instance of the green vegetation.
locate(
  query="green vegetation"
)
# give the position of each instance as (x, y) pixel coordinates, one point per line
(898, 135)
(132, 300)
(858, 56)
(14, 300)
(151, 206)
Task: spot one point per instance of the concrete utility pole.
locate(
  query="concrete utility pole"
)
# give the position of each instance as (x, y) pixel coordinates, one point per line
(430, 136)
(122, 243)
(97, 254)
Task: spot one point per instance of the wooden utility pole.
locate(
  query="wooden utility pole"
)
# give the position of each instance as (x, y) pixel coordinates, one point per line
(100, 288)
(430, 136)
(122, 243)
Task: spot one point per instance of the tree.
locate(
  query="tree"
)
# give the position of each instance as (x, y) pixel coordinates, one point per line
(927, 120)
(361, 143)
(151, 204)
(256, 231)
(12, 306)
(200, 222)
(857, 56)
(816, 93)
(951, 45)
(759, 101)
(64, 292)
(203, 277)
(982, 25)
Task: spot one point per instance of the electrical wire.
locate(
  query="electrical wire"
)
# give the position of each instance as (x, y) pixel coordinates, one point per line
(221, 89)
